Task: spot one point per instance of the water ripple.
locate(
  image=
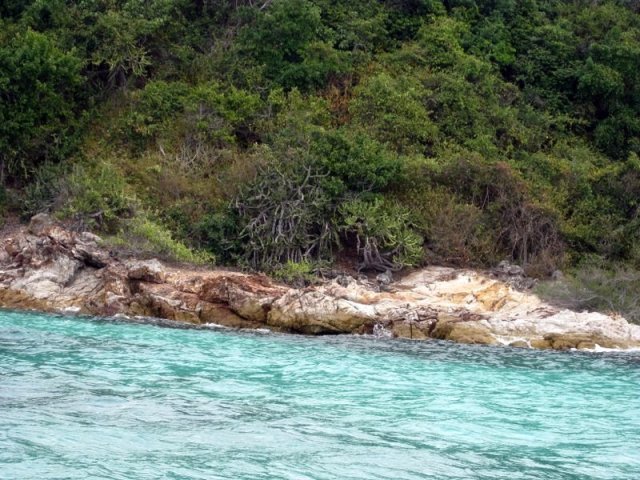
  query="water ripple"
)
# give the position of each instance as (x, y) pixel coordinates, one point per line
(97, 398)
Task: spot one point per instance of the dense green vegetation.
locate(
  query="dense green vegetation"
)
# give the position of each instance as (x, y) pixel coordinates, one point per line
(273, 133)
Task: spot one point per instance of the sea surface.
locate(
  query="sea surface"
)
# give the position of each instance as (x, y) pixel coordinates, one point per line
(104, 399)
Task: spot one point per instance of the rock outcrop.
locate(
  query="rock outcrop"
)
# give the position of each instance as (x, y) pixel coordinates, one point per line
(48, 268)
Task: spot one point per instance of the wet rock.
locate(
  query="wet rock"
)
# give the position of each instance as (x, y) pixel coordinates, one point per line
(588, 340)
(222, 315)
(315, 312)
(519, 344)
(463, 332)
(409, 330)
(541, 344)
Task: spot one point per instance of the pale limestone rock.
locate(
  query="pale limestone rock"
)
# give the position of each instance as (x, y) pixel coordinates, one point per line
(50, 268)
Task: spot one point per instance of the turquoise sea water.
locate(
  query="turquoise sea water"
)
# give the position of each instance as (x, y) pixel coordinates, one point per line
(90, 399)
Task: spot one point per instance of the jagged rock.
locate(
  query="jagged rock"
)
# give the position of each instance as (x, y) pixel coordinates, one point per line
(87, 251)
(345, 280)
(46, 267)
(384, 278)
(541, 344)
(39, 223)
(222, 315)
(146, 271)
(583, 340)
(463, 332)
(315, 312)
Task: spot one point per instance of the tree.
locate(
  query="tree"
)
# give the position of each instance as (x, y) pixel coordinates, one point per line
(288, 39)
(39, 88)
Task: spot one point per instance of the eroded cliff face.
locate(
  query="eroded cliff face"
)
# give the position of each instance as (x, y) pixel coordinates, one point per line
(46, 267)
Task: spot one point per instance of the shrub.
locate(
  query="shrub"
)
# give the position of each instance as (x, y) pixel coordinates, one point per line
(382, 233)
(43, 190)
(596, 286)
(98, 197)
(298, 274)
(357, 162)
(218, 115)
(153, 237)
(218, 232)
(524, 228)
(39, 93)
(285, 215)
(392, 109)
(151, 107)
(456, 232)
(289, 41)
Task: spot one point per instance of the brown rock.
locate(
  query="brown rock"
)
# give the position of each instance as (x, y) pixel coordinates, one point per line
(541, 344)
(221, 315)
(471, 333)
(494, 296)
(564, 341)
(463, 332)
(407, 330)
(22, 300)
(146, 271)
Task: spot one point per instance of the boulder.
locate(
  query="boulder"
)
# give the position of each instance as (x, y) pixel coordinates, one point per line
(39, 223)
(146, 271)
(464, 332)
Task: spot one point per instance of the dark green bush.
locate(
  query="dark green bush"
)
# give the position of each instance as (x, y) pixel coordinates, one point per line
(218, 232)
(356, 162)
(290, 42)
(39, 97)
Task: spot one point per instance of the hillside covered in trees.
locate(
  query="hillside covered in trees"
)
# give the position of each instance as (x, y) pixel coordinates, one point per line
(285, 135)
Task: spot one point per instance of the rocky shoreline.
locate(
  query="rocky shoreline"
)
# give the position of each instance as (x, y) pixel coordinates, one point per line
(48, 268)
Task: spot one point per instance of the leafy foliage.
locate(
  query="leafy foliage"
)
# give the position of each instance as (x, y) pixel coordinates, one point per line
(382, 232)
(280, 133)
(39, 89)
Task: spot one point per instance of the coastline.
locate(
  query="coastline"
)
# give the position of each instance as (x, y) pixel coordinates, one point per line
(45, 267)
